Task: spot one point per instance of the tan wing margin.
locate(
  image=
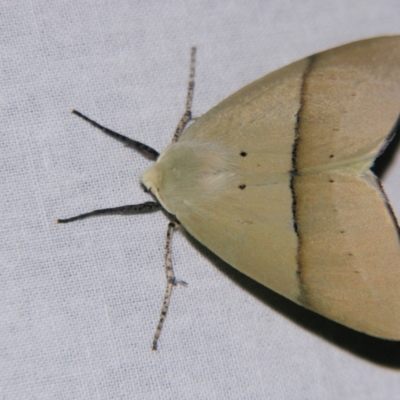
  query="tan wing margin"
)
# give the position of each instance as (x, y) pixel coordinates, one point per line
(349, 252)
(350, 102)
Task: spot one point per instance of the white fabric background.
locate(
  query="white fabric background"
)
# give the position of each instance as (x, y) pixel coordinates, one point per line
(80, 302)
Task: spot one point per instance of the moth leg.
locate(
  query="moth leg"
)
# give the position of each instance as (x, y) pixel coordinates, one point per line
(142, 148)
(187, 116)
(123, 210)
(171, 281)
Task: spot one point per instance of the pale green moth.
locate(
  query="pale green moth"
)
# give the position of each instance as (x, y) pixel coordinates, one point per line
(276, 181)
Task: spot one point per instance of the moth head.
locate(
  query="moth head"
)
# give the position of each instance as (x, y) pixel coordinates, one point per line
(152, 180)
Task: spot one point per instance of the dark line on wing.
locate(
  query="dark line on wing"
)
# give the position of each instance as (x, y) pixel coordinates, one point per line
(393, 132)
(377, 169)
(295, 173)
(388, 150)
(388, 206)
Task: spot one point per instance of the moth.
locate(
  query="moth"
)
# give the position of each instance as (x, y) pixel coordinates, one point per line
(276, 181)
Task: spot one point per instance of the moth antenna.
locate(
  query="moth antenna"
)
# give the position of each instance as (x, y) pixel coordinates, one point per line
(142, 148)
(187, 116)
(123, 210)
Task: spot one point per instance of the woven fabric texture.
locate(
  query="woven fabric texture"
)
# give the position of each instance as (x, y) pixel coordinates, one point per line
(79, 303)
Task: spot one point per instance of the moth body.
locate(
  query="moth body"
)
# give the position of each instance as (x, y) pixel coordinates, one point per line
(276, 181)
